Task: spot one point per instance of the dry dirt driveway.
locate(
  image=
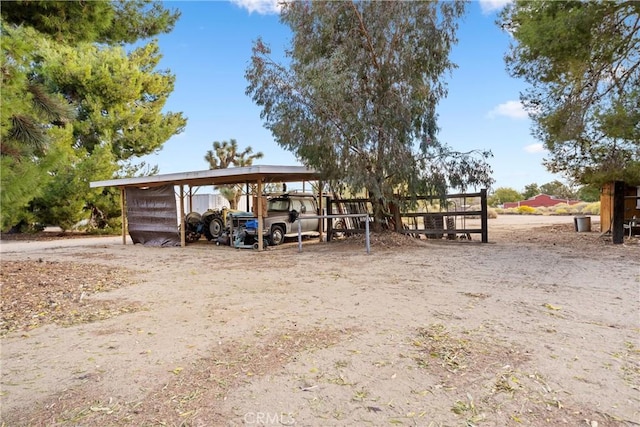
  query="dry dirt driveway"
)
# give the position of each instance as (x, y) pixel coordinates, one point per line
(539, 327)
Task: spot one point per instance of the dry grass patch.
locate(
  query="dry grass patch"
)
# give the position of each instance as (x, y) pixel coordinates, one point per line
(489, 380)
(35, 293)
(186, 395)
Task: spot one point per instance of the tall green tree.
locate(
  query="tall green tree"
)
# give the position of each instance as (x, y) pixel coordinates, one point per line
(108, 22)
(30, 115)
(588, 193)
(69, 172)
(224, 155)
(558, 189)
(119, 97)
(358, 99)
(502, 195)
(76, 106)
(530, 190)
(581, 60)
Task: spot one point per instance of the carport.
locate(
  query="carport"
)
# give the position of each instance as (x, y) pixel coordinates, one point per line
(258, 175)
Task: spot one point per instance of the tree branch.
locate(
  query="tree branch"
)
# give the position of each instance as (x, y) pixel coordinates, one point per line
(365, 33)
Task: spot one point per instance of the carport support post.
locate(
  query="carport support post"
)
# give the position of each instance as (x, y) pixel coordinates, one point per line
(259, 214)
(183, 240)
(123, 214)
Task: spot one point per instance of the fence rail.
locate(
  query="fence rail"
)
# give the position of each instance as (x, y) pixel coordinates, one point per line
(430, 224)
(366, 222)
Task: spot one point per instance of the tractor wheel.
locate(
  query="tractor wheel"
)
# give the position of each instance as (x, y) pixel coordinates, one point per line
(277, 235)
(215, 228)
(339, 229)
(206, 222)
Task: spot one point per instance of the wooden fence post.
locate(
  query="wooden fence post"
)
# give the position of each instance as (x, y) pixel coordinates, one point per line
(617, 228)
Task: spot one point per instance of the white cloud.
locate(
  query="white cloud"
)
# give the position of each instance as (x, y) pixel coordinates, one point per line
(262, 7)
(534, 148)
(490, 6)
(513, 109)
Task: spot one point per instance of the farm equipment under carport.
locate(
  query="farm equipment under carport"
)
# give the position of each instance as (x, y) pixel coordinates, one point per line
(194, 227)
(214, 223)
(245, 235)
(224, 227)
(211, 224)
(286, 215)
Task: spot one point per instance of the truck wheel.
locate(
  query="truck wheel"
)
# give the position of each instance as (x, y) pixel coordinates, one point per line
(277, 235)
(215, 228)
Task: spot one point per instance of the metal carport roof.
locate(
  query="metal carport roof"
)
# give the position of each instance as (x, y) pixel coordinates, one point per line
(240, 175)
(258, 174)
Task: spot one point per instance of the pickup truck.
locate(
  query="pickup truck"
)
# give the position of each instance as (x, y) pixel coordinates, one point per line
(283, 213)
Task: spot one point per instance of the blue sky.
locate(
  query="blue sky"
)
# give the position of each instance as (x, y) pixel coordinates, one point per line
(210, 47)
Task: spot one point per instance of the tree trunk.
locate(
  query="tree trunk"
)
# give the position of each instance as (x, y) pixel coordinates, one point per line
(379, 218)
(394, 209)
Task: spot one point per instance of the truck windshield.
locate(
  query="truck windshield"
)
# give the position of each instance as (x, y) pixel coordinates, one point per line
(281, 205)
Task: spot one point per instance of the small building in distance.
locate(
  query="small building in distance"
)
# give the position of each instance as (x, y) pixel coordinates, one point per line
(539, 201)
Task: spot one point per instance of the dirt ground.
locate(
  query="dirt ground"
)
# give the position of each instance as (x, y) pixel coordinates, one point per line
(539, 327)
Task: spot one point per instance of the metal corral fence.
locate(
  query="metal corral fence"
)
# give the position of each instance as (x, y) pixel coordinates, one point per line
(449, 220)
(365, 220)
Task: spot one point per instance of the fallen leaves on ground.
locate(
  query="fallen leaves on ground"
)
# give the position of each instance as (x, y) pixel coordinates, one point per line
(35, 293)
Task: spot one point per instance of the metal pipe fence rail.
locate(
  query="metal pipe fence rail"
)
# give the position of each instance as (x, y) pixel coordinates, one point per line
(366, 217)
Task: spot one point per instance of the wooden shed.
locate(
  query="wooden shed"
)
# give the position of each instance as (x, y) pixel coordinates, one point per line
(619, 204)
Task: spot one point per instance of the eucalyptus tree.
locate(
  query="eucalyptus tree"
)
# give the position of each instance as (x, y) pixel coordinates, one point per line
(581, 61)
(357, 98)
(225, 154)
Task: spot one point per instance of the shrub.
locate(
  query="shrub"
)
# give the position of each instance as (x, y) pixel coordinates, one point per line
(578, 207)
(564, 209)
(492, 213)
(592, 208)
(526, 210)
